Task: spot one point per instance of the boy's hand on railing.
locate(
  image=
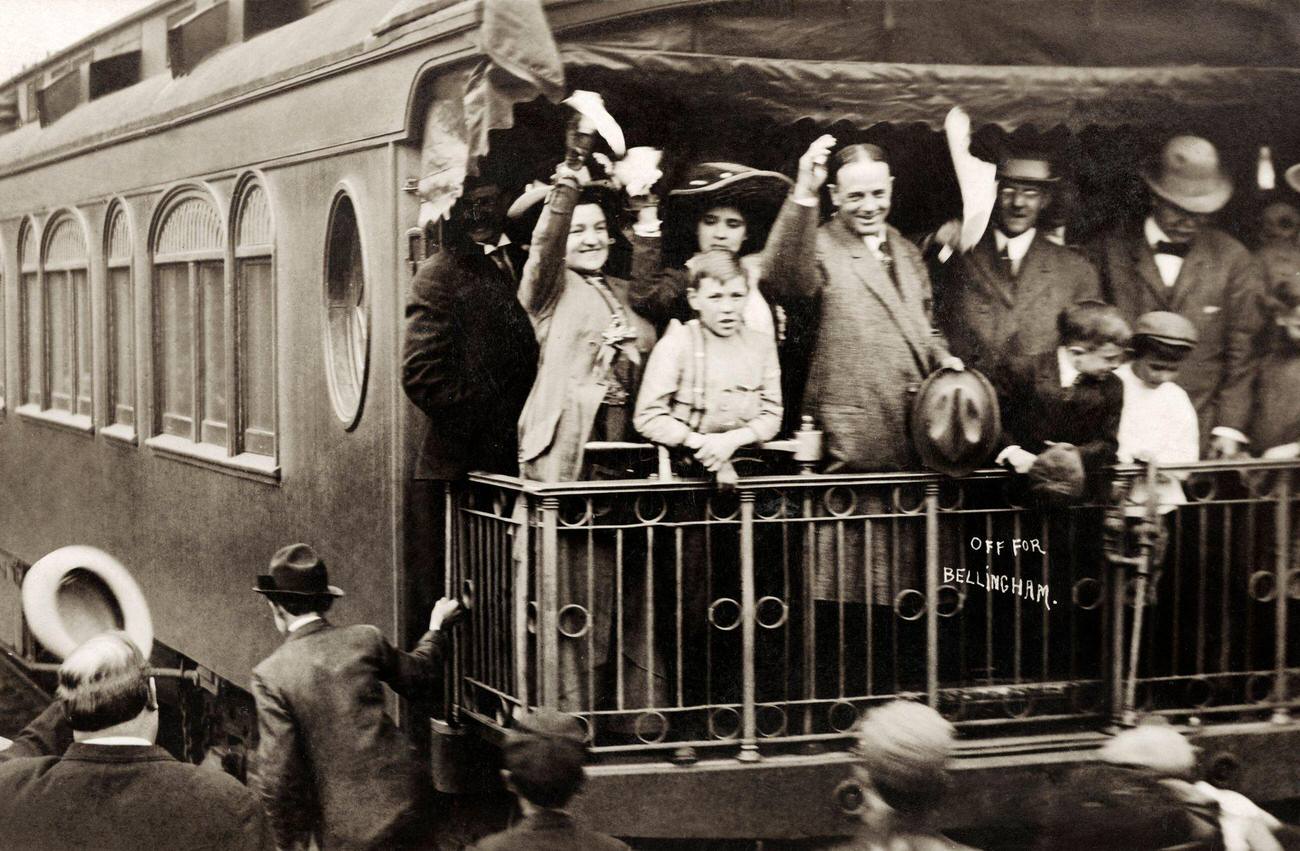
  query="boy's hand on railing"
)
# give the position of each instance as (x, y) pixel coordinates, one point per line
(1017, 459)
(446, 612)
(1285, 452)
(717, 449)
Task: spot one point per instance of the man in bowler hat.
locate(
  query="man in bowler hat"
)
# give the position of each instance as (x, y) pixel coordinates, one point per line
(1175, 260)
(331, 765)
(543, 756)
(1004, 295)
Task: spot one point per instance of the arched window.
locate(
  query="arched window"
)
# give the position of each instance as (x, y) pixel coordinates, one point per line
(190, 321)
(30, 327)
(121, 320)
(65, 319)
(347, 332)
(255, 296)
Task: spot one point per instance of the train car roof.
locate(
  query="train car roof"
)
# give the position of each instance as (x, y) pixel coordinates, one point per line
(899, 61)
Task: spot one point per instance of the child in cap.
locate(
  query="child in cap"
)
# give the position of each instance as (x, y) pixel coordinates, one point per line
(1061, 409)
(543, 754)
(1275, 422)
(1158, 422)
(713, 384)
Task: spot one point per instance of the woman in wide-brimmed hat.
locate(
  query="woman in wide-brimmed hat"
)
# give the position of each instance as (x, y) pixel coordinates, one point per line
(718, 205)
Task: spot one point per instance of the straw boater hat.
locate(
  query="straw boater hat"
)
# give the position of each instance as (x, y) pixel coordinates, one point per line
(296, 571)
(1189, 175)
(1027, 167)
(756, 193)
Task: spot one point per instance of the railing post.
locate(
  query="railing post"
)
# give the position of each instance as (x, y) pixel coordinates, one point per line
(548, 608)
(523, 552)
(931, 594)
(452, 688)
(1116, 579)
(1282, 524)
(749, 642)
(809, 623)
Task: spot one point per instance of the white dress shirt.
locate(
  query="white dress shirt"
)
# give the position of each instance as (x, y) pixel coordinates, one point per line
(302, 620)
(118, 740)
(1068, 373)
(1015, 246)
(1168, 264)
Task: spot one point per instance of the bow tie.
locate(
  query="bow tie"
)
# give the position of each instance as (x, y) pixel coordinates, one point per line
(1177, 249)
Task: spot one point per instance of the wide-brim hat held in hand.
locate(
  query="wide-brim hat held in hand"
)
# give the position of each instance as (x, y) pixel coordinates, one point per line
(955, 421)
(756, 193)
(1189, 176)
(297, 571)
(1057, 478)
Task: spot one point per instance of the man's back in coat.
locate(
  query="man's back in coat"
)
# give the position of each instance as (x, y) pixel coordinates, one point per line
(330, 760)
(127, 797)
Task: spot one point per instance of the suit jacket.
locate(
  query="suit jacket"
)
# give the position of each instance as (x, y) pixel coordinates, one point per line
(987, 315)
(127, 797)
(549, 830)
(469, 361)
(330, 761)
(1036, 409)
(874, 340)
(48, 734)
(570, 318)
(1220, 290)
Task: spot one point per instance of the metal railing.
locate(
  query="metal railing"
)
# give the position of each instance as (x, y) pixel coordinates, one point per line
(667, 613)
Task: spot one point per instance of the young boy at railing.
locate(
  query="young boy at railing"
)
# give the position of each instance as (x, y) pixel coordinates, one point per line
(1158, 422)
(712, 385)
(1061, 409)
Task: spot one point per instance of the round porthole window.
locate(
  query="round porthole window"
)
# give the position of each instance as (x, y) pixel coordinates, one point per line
(347, 329)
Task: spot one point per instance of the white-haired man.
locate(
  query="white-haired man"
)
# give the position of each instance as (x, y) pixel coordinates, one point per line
(114, 788)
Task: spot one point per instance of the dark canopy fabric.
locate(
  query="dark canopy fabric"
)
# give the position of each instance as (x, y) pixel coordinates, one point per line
(868, 93)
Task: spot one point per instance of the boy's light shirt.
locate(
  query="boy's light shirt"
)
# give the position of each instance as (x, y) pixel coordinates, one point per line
(1159, 422)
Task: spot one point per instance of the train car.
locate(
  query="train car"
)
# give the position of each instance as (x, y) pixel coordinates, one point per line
(209, 213)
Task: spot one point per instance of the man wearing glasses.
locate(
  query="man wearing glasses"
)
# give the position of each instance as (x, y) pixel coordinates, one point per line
(1175, 260)
(1002, 296)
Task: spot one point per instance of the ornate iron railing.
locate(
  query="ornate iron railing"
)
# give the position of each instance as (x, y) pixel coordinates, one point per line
(669, 614)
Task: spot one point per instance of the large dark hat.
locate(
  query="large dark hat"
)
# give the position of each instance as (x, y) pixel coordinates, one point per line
(1189, 176)
(296, 571)
(1057, 478)
(756, 193)
(955, 421)
(544, 744)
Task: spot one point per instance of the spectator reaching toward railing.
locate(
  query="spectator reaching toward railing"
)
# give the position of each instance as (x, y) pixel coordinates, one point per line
(713, 384)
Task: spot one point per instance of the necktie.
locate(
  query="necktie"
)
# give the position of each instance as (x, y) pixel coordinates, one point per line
(1177, 249)
(1005, 264)
(503, 263)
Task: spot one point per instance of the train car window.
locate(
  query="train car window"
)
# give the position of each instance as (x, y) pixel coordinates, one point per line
(196, 36)
(347, 329)
(65, 317)
(189, 297)
(121, 322)
(263, 15)
(31, 336)
(255, 297)
(114, 72)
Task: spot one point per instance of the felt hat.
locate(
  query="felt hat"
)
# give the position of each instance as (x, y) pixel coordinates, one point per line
(1057, 478)
(545, 744)
(955, 421)
(1189, 175)
(904, 747)
(1027, 167)
(1167, 327)
(1155, 747)
(296, 571)
(1293, 177)
(756, 193)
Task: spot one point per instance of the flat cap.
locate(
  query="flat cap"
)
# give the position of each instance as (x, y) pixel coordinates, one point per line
(1167, 327)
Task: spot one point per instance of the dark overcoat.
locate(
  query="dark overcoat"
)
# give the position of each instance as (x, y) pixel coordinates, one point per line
(468, 363)
(1219, 290)
(125, 798)
(549, 830)
(875, 344)
(330, 761)
(986, 314)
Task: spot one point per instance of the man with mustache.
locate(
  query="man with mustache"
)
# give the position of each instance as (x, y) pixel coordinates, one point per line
(1175, 260)
(1003, 296)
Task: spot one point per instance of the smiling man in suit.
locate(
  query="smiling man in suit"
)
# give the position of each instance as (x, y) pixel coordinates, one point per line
(1003, 296)
(874, 340)
(1175, 260)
